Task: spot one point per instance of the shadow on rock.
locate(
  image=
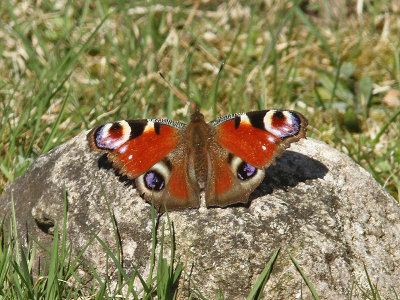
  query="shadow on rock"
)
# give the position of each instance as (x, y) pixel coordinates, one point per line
(290, 169)
(104, 163)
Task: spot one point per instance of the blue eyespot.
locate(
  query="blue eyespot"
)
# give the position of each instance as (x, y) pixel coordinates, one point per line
(154, 181)
(246, 171)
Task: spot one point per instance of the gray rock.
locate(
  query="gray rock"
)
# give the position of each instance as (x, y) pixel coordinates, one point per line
(315, 203)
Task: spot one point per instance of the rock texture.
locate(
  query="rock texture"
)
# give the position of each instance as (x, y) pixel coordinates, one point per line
(315, 203)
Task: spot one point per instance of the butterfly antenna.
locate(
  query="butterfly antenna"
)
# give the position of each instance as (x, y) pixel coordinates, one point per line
(196, 109)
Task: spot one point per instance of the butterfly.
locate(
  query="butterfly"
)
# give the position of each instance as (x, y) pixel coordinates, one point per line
(173, 163)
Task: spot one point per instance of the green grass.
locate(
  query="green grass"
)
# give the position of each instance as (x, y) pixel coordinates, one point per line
(65, 68)
(59, 277)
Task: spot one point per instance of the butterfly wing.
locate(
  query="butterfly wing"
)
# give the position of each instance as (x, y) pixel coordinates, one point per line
(231, 180)
(251, 142)
(149, 151)
(168, 183)
(155, 154)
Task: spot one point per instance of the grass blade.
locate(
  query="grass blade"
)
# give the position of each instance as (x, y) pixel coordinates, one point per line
(385, 126)
(259, 286)
(47, 145)
(308, 282)
(314, 30)
(51, 286)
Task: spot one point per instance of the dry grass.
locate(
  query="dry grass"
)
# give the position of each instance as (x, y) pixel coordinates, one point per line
(63, 71)
(334, 63)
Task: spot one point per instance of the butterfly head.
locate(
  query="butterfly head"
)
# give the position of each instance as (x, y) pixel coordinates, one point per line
(197, 116)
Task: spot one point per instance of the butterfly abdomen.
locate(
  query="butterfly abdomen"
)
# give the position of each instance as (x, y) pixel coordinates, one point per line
(198, 136)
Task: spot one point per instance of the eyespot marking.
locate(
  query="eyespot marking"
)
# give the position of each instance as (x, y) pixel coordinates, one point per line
(282, 124)
(115, 126)
(112, 135)
(278, 114)
(154, 181)
(167, 163)
(242, 169)
(245, 171)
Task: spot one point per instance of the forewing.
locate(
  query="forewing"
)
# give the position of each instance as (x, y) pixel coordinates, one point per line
(260, 136)
(134, 146)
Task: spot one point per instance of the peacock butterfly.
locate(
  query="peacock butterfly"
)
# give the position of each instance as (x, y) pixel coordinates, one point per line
(172, 163)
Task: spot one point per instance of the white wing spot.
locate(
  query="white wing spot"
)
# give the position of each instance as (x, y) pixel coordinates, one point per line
(244, 119)
(289, 117)
(149, 126)
(123, 149)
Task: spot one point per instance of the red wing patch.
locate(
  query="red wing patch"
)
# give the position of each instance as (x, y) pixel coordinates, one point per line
(253, 145)
(179, 192)
(223, 178)
(177, 184)
(138, 155)
(134, 147)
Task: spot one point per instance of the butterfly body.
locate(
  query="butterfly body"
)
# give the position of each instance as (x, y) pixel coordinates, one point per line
(172, 163)
(198, 134)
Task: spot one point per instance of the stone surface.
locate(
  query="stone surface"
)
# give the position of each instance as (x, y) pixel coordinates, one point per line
(315, 203)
